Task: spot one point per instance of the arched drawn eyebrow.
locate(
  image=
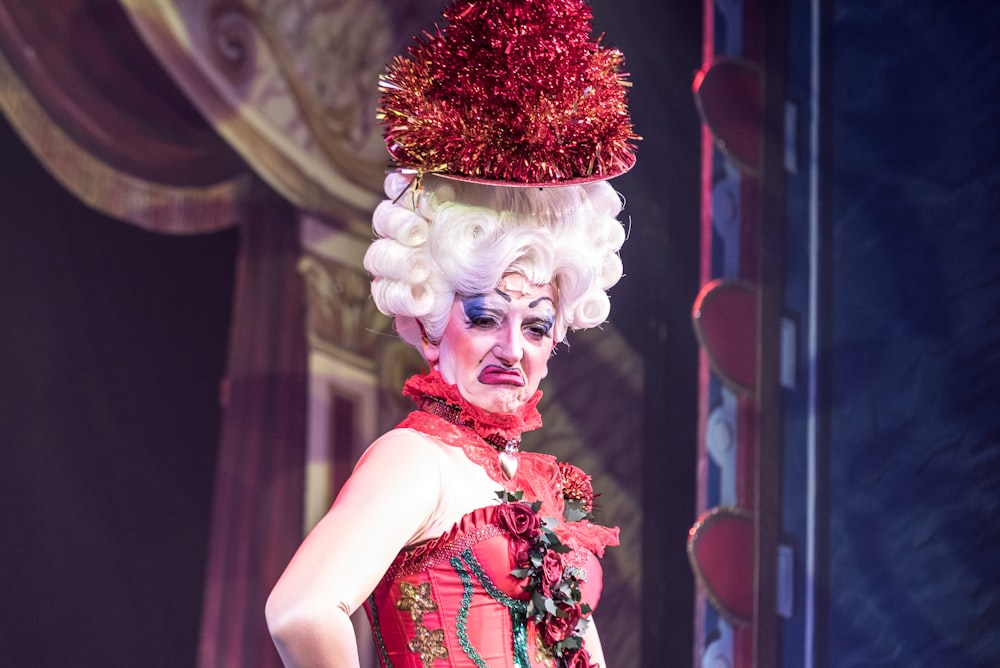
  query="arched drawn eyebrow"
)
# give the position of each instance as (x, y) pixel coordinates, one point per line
(530, 305)
(502, 294)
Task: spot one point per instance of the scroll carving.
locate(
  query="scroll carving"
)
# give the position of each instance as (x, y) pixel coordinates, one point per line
(341, 316)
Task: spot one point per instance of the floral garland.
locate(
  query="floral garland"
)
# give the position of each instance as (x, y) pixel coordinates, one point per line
(555, 605)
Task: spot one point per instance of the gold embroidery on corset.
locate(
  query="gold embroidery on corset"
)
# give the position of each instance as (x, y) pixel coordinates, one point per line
(429, 644)
(543, 654)
(416, 599)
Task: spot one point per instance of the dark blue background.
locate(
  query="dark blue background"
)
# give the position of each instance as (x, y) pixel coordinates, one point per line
(914, 288)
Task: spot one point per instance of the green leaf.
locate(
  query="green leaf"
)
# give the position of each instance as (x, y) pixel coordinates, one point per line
(539, 601)
(559, 547)
(574, 511)
(509, 497)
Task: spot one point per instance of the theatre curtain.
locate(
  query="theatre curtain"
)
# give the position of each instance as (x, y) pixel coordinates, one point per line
(193, 118)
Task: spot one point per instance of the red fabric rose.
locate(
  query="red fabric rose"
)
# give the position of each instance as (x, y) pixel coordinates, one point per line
(577, 658)
(520, 553)
(559, 628)
(552, 571)
(519, 519)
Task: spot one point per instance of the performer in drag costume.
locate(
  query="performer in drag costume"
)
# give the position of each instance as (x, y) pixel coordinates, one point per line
(498, 236)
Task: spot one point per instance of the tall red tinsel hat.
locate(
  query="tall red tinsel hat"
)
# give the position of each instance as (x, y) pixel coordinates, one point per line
(511, 91)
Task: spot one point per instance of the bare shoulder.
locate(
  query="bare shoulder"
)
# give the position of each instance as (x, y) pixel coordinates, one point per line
(401, 440)
(413, 449)
(402, 468)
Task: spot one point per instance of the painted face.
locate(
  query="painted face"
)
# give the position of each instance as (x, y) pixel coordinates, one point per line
(496, 346)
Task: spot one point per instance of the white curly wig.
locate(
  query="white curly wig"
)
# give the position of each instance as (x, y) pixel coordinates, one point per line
(447, 238)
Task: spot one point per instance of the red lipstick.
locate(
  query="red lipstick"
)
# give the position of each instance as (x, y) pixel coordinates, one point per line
(495, 375)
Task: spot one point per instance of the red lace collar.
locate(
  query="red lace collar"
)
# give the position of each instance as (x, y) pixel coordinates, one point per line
(505, 425)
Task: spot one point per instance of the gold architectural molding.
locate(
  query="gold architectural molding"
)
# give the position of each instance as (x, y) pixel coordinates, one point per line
(342, 318)
(292, 89)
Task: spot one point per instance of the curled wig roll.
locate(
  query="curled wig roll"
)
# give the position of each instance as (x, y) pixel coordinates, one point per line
(452, 237)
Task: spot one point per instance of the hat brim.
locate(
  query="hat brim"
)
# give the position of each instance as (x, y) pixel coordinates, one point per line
(579, 180)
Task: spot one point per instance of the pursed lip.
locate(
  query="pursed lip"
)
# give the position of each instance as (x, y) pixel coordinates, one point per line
(495, 375)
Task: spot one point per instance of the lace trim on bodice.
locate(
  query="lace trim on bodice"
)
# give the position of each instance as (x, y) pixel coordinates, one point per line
(535, 472)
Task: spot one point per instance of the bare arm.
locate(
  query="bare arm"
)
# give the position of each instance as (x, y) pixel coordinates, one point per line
(384, 505)
(592, 641)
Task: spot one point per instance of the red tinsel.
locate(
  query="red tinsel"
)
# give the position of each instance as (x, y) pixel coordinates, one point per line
(577, 486)
(510, 90)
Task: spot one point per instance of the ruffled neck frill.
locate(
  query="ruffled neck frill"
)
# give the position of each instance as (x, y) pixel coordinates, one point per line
(504, 425)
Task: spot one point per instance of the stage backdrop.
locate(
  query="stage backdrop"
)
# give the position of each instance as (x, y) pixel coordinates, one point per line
(148, 522)
(851, 231)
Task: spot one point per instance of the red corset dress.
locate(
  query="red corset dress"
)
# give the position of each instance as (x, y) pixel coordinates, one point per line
(477, 595)
(452, 602)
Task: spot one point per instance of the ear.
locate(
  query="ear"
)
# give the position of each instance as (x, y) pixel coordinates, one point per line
(430, 351)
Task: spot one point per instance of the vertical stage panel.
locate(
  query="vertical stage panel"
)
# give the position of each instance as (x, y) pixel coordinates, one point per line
(740, 93)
